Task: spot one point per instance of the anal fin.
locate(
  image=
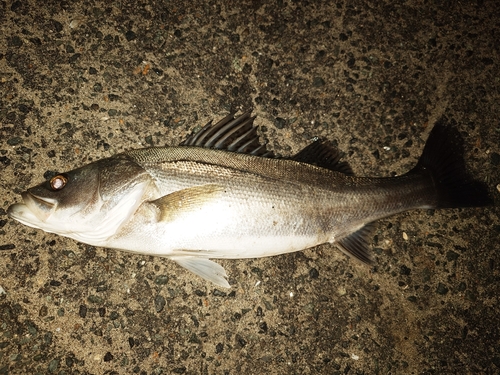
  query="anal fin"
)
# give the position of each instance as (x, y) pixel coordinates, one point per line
(205, 268)
(357, 244)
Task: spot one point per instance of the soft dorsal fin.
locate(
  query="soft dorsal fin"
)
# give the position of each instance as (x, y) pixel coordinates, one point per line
(230, 134)
(357, 244)
(322, 154)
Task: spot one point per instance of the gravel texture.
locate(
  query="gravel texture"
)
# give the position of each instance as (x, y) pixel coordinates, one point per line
(84, 80)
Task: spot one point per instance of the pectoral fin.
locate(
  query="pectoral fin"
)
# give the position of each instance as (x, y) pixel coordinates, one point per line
(186, 200)
(205, 268)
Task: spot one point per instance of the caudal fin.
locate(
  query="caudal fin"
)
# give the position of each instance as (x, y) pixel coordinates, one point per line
(443, 158)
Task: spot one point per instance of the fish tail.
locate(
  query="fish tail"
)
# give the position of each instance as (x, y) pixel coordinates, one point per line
(443, 160)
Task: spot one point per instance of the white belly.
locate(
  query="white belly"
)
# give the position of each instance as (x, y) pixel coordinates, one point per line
(221, 228)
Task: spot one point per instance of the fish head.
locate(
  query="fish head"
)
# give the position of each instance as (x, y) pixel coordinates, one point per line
(61, 202)
(88, 204)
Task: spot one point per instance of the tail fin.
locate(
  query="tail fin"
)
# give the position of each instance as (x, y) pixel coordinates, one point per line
(443, 159)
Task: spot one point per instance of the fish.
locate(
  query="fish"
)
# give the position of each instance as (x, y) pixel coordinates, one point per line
(221, 194)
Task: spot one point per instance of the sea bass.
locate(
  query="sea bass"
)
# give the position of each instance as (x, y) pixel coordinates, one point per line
(221, 194)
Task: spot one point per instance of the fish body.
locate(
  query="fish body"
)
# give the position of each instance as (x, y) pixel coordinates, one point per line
(222, 195)
(221, 205)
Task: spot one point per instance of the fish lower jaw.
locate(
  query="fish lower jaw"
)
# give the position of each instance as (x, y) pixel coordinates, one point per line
(20, 212)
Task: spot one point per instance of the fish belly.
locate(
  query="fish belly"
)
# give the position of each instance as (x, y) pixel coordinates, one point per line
(239, 222)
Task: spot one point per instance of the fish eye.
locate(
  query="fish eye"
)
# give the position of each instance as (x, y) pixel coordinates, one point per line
(58, 182)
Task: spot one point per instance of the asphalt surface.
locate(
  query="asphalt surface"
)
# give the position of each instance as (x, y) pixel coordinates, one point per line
(80, 81)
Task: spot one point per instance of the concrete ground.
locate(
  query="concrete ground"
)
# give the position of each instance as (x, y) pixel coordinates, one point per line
(80, 81)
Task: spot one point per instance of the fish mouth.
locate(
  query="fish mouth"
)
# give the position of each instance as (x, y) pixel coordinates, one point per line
(34, 211)
(37, 203)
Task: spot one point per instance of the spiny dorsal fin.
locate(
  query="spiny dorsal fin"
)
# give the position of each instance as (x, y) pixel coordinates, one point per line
(357, 244)
(322, 154)
(230, 134)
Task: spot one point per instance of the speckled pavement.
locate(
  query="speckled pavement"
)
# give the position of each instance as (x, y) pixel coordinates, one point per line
(81, 81)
